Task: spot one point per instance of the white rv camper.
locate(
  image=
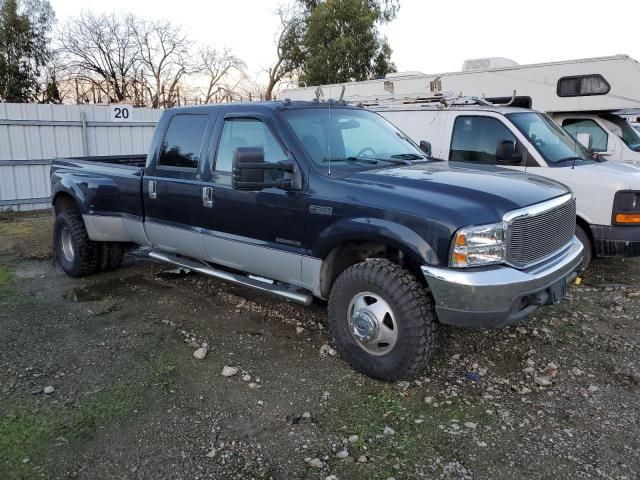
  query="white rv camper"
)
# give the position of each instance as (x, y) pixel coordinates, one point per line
(585, 97)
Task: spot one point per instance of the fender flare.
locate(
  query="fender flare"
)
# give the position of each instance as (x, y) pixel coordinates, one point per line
(65, 186)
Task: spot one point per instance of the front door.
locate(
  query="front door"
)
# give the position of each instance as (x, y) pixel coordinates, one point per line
(260, 232)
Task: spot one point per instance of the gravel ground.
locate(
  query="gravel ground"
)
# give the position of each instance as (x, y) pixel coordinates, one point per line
(98, 379)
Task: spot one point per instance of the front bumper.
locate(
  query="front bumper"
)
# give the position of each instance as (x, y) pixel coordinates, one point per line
(499, 296)
(616, 240)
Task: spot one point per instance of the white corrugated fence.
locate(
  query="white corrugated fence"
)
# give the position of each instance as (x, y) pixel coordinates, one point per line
(31, 135)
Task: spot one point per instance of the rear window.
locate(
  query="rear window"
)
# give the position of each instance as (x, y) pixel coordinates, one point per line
(182, 142)
(583, 85)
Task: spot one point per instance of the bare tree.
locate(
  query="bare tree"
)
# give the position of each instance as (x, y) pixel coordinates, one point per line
(164, 56)
(217, 68)
(101, 51)
(288, 41)
(109, 58)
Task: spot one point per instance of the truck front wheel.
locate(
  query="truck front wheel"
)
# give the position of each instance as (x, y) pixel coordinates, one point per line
(382, 320)
(76, 253)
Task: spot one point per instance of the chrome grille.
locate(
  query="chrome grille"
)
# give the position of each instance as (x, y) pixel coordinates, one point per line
(534, 237)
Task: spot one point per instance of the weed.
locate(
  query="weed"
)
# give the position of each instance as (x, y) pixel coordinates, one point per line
(165, 370)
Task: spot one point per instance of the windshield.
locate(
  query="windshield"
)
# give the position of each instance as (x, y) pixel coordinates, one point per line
(624, 131)
(344, 137)
(554, 144)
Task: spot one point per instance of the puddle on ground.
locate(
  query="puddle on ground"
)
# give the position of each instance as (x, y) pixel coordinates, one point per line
(101, 291)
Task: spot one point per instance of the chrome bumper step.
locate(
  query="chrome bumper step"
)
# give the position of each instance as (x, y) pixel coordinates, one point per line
(278, 290)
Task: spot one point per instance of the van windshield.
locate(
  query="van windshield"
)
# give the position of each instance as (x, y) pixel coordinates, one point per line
(347, 138)
(623, 130)
(554, 144)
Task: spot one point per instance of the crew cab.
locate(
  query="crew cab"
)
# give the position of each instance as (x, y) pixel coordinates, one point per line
(320, 199)
(477, 134)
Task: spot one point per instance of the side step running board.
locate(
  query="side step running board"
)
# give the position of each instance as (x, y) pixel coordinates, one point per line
(279, 291)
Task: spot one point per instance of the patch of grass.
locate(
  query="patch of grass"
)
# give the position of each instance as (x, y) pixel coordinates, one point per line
(6, 280)
(17, 229)
(109, 405)
(25, 433)
(366, 415)
(165, 369)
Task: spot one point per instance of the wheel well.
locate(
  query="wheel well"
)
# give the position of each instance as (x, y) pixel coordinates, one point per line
(587, 229)
(349, 253)
(63, 202)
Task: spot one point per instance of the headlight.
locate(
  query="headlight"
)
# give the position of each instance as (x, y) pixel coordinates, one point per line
(476, 246)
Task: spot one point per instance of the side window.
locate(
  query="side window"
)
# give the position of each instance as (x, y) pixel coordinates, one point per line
(182, 141)
(582, 85)
(476, 139)
(599, 137)
(246, 132)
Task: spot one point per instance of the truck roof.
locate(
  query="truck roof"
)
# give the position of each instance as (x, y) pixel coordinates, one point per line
(271, 105)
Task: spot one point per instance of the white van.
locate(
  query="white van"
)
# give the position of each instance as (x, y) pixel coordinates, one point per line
(588, 96)
(607, 193)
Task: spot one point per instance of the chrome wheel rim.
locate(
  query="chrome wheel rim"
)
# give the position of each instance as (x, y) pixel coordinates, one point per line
(67, 244)
(372, 323)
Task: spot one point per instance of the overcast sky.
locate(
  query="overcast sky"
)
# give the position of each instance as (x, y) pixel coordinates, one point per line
(429, 36)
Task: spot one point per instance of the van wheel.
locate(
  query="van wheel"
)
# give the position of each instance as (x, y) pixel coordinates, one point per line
(587, 253)
(111, 256)
(75, 252)
(382, 320)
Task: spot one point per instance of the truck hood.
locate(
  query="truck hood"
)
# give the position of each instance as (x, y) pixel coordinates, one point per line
(482, 193)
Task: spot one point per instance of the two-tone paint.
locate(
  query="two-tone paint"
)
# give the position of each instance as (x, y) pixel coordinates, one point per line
(287, 235)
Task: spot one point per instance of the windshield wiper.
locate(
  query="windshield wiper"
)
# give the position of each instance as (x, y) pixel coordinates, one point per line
(370, 161)
(409, 156)
(569, 159)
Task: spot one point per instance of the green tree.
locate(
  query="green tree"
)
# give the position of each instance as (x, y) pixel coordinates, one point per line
(24, 47)
(341, 40)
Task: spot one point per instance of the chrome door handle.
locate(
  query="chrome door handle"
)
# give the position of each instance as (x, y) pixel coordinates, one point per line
(207, 197)
(153, 189)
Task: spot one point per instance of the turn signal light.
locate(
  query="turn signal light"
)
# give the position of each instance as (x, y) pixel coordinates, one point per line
(628, 218)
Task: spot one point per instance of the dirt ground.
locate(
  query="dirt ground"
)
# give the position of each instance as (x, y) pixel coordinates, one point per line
(557, 397)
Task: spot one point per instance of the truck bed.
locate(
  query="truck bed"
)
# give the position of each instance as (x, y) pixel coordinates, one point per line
(109, 185)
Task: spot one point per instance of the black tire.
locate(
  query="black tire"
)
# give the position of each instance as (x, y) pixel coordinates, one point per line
(111, 255)
(587, 253)
(411, 305)
(82, 260)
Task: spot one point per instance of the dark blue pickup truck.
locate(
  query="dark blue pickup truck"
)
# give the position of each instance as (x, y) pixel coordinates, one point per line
(319, 199)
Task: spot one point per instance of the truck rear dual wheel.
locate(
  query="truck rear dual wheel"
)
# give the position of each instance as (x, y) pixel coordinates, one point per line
(382, 320)
(76, 253)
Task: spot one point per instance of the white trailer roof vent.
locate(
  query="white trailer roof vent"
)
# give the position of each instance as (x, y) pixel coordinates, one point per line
(403, 74)
(486, 63)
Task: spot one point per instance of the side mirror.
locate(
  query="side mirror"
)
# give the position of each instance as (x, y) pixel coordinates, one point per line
(425, 147)
(506, 153)
(249, 167)
(586, 140)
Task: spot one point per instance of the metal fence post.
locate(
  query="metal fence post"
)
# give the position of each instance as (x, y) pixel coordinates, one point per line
(85, 143)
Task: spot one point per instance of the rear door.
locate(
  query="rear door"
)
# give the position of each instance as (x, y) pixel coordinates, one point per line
(173, 185)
